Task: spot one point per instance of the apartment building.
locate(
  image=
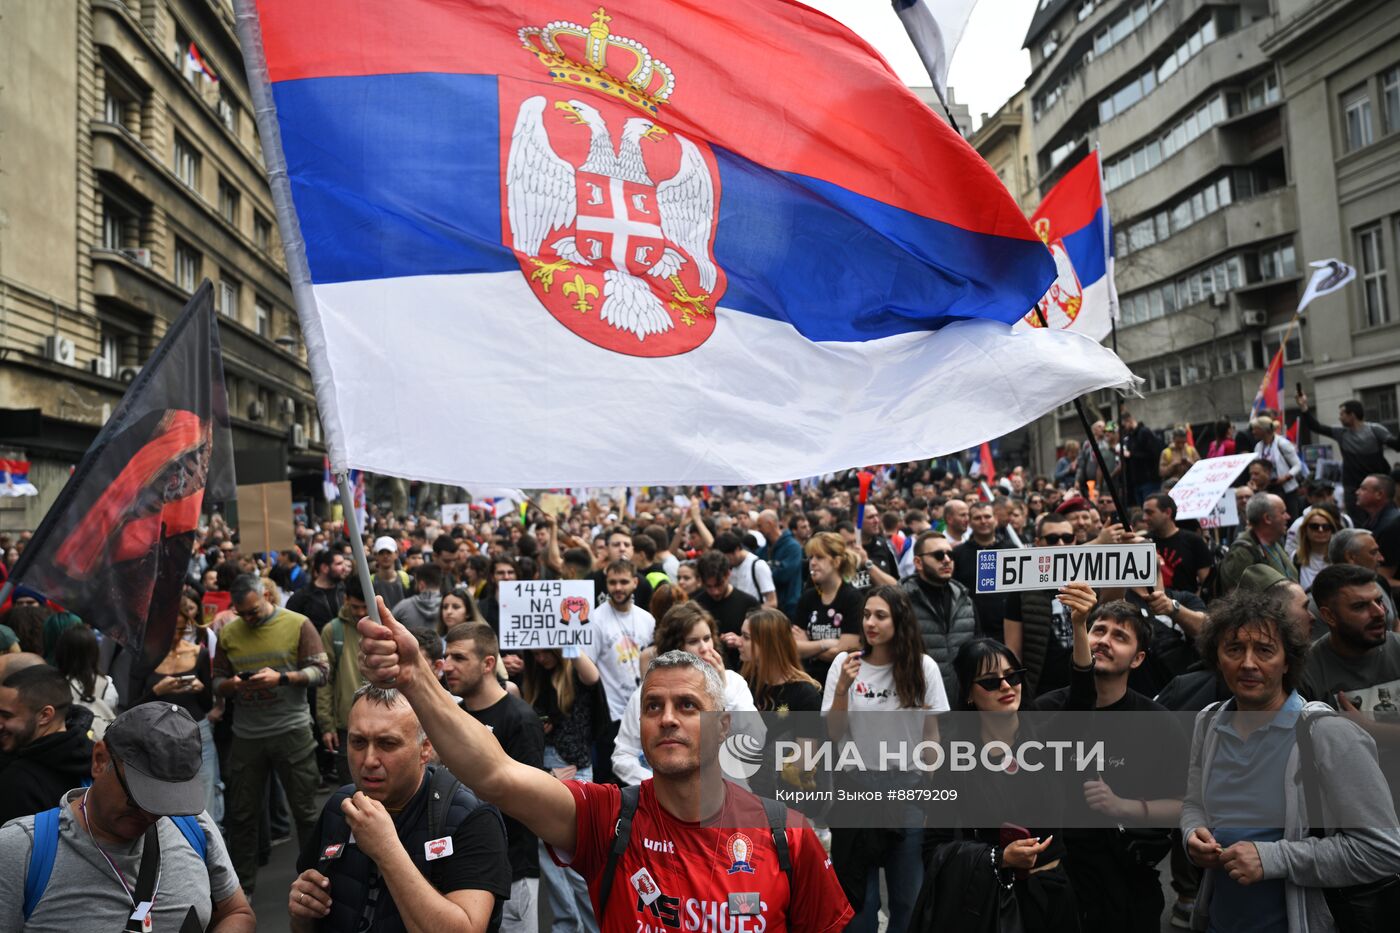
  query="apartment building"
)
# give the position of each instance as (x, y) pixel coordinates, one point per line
(130, 171)
(1239, 140)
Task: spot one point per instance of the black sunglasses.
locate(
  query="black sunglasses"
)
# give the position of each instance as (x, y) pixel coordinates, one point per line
(938, 555)
(130, 801)
(1319, 526)
(992, 682)
(1059, 539)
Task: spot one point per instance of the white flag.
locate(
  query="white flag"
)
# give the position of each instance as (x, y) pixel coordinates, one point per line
(935, 27)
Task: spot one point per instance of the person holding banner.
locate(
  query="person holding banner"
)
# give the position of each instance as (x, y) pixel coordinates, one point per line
(1282, 455)
(1362, 444)
(683, 803)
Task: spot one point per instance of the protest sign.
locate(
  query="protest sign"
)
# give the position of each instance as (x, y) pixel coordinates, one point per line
(1226, 513)
(265, 521)
(545, 614)
(1201, 488)
(1046, 568)
(556, 503)
(455, 513)
(301, 510)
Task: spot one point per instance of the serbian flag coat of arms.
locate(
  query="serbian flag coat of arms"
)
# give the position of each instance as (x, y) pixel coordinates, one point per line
(1073, 222)
(551, 243)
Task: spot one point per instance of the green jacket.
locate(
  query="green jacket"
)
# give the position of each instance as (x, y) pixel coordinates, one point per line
(1247, 551)
(333, 699)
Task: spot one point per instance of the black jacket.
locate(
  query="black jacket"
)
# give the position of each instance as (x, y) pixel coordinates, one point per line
(39, 774)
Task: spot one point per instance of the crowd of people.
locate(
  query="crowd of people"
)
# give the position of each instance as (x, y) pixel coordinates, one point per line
(460, 775)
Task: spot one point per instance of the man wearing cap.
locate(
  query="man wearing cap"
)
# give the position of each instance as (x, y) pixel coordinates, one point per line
(389, 581)
(133, 851)
(405, 846)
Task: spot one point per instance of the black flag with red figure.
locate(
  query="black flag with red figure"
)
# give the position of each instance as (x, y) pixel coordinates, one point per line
(116, 545)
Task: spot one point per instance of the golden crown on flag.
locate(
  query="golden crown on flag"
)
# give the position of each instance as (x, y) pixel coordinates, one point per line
(580, 56)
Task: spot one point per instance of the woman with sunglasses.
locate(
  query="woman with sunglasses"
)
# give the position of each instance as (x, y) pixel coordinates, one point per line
(889, 672)
(1318, 528)
(991, 683)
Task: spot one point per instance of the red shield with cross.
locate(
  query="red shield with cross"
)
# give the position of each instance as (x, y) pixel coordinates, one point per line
(611, 217)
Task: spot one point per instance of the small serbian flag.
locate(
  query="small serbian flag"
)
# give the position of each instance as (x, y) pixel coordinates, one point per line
(196, 65)
(1073, 221)
(1270, 394)
(678, 200)
(14, 479)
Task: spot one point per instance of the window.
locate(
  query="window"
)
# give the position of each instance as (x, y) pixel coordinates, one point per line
(111, 352)
(262, 317)
(119, 226)
(1390, 99)
(1380, 406)
(228, 295)
(1356, 111)
(228, 201)
(228, 112)
(186, 162)
(1372, 256)
(1277, 262)
(262, 232)
(1145, 158)
(1293, 353)
(187, 266)
(1086, 9)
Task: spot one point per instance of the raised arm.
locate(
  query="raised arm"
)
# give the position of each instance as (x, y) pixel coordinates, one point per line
(389, 657)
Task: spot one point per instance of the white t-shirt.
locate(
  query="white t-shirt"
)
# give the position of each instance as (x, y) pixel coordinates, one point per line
(618, 640)
(874, 691)
(752, 569)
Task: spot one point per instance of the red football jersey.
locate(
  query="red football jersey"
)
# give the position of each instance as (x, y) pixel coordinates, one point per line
(704, 877)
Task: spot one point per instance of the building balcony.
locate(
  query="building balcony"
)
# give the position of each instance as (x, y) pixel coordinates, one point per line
(1226, 58)
(121, 280)
(1263, 217)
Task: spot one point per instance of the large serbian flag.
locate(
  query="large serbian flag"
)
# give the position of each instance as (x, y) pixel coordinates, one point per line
(1073, 221)
(116, 544)
(550, 243)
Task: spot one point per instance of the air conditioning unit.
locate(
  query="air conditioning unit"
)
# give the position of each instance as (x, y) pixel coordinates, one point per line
(256, 411)
(101, 366)
(296, 436)
(289, 408)
(128, 373)
(60, 349)
(1219, 300)
(1254, 318)
(142, 257)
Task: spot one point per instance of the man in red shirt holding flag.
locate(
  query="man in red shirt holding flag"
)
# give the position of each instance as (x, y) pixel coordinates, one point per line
(686, 862)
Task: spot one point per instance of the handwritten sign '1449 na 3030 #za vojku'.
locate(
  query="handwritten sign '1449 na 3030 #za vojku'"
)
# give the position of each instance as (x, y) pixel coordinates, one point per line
(546, 614)
(1044, 568)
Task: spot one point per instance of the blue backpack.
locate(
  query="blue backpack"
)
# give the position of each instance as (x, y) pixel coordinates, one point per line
(45, 850)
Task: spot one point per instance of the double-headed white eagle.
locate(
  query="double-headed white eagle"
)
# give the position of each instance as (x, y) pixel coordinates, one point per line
(542, 197)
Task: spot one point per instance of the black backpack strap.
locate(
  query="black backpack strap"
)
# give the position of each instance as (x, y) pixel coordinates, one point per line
(777, 825)
(621, 835)
(1307, 774)
(441, 790)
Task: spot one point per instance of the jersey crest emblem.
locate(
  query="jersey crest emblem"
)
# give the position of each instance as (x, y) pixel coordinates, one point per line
(740, 850)
(611, 215)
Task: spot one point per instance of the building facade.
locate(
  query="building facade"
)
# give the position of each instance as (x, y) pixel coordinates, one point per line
(130, 171)
(1220, 127)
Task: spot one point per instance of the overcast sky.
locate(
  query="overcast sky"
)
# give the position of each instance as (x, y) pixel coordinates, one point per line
(988, 66)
